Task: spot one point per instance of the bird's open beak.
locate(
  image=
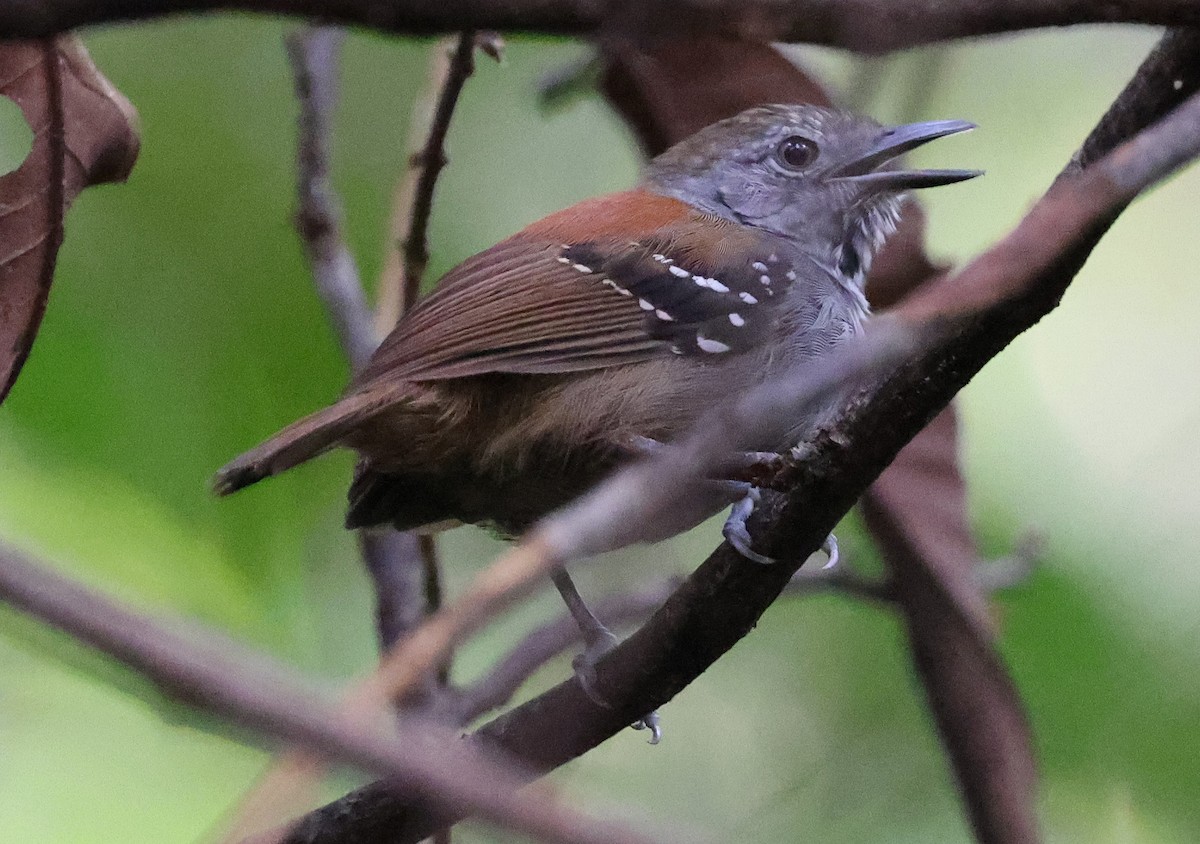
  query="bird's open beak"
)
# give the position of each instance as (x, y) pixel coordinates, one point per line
(896, 141)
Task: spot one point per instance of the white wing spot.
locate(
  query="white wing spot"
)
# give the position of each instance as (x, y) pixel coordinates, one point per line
(700, 280)
(765, 279)
(748, 298)
(678, 271)
(615, 286)
(582, 268)
(737, 320)
(675, 350)
(772, 257)
(759, 266)
(563, 260)
(664, 316)
(715, 285)
(662, 259)
(713, 347)
(791, 275)
(646, 306)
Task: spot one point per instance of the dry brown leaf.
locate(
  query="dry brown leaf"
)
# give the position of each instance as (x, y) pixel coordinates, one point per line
(915, 511)
(84, 133)
(664, 94)
(922, 497)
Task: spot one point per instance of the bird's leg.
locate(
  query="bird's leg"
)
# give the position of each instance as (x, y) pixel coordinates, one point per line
(738, 536)
(598, 640)
(746, 493)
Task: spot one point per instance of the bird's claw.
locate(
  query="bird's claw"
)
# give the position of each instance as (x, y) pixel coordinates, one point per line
(738, 536)
(650, 722)
(830, 547)
(599, 643)
(735, 528)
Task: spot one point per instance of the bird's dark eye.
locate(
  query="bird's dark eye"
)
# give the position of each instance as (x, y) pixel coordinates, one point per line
(797, 152)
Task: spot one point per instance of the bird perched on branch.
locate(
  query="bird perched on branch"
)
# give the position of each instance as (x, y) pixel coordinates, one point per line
(538, 365)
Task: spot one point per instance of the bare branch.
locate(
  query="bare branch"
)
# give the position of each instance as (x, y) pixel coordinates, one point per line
(544, 643)
(975, 705)
(402, 566)
(417, 756)
(864, 25)
(412, 204)
(549, 640)
(313, 52)
(395, 562)
(996, 297)
(400, 281)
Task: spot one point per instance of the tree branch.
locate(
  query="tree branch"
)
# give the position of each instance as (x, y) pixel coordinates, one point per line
(408, 244)
(978, 312)
(399, 565)
(394, 561)
(864, 25)
(313, 52)
(417, 756)
(551, 639)
(974, 702)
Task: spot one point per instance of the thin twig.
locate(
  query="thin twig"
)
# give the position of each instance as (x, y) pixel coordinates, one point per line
(397, 563)
(392, 560)
(251, 689)
(313, 52)
(544, 643)
(865, 25)
(547, 641)
(412, 204)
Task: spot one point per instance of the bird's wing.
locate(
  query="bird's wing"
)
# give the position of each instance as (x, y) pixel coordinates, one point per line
(585, 289)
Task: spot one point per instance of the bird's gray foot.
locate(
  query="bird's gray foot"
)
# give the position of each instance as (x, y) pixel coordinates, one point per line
(738, 536)
(735, 527)
(598, 640)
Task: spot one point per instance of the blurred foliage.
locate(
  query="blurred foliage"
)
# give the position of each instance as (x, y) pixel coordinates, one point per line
(15, 136)
(183, 329)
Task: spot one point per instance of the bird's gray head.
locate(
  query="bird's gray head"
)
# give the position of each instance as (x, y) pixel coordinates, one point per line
(817, 176)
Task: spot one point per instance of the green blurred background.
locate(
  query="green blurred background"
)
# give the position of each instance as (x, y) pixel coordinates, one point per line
(183, 328)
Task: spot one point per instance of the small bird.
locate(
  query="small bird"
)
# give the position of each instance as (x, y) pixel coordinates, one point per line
(539, 365)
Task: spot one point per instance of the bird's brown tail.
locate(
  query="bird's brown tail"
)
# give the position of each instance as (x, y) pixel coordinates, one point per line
(303, 439)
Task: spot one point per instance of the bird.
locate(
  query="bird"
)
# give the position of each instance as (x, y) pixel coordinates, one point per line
(536, 367)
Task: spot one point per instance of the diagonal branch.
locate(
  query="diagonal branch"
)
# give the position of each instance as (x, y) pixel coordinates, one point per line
(416, 756)
(976, 313)
(402, 566)
(974, 702)
(313, 52)
(549, 640)
(864, 25)
(404, 268)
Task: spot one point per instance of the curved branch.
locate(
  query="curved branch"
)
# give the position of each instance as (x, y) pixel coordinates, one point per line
(864, 25)
(416, 755)
(412, 205)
